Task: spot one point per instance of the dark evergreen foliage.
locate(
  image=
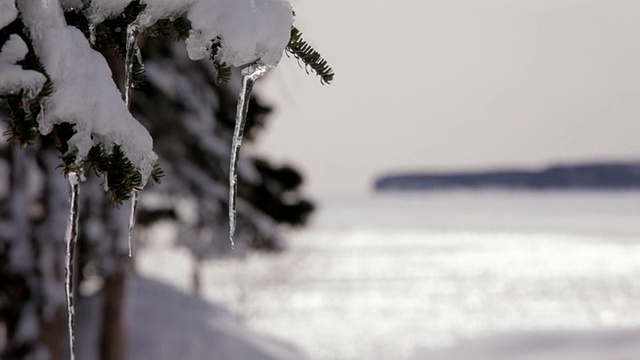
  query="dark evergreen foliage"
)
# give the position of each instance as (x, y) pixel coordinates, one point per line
(311, 58)
(274, 197)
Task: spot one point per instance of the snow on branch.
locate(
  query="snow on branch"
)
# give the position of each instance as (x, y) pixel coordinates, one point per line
(84, 93)
(8, 12)
(248, 30)
(13, 79)
(73, 82)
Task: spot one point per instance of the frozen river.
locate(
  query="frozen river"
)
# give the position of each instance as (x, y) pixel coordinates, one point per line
(386, 276)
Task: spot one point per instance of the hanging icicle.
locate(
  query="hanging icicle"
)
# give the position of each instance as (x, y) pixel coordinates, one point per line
(92, 33)
(133, 30)
(132, 218)
(71, 237)
(249, 76)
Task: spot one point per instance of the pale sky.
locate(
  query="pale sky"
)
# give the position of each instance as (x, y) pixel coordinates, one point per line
(456, 84)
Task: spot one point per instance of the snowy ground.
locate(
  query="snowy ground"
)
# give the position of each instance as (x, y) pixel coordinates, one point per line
(455, 276)
(169, 324)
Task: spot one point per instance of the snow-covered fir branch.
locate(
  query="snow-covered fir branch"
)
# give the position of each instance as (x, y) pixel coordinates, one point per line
(60, 88)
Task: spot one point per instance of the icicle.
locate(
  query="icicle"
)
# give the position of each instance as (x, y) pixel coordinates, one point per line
(71, 238)
(132, 217)
(133, 30)
(92, 33)
(132, 37)
(249, 76)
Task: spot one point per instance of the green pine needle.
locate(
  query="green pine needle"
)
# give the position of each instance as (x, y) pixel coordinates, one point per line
(300, 49)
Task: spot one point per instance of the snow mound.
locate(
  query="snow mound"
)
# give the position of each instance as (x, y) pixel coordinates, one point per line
(168, 324)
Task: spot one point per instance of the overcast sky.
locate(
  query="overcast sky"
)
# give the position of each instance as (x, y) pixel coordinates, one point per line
(456, 84)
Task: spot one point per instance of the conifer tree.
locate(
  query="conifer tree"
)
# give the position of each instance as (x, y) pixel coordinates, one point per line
(190, 121)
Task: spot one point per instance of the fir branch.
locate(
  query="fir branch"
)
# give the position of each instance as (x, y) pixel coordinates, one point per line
(301, 50)
(177, 29)
(21, 128)
(157, 174)
(23, 110)
(122, 176)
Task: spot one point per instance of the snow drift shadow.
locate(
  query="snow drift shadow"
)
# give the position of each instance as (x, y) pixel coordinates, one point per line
(168, 324)
(579, 345)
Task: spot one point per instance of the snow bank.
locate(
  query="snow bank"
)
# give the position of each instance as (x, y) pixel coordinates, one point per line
(168, 324)
(596, 345)
(13, 78)
(84, 92)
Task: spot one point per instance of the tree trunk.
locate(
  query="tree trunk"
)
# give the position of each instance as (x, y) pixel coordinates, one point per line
(113, 336)
(196, 275)
(54, 332)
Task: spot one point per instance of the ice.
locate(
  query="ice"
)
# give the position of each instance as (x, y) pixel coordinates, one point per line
(133, 30)
(71, 238)
(8, 12)
(92, 34)
(132, 217)
(249, 76)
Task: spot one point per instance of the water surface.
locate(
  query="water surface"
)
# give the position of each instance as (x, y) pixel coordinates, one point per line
(380, 277)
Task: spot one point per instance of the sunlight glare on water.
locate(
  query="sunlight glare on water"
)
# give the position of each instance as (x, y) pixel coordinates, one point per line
(378, 278)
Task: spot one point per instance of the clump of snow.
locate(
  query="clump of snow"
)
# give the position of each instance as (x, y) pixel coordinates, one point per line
(8, 12)
(13, 78)
(274, 29)
(84, 92)
(249, 30)
(14, 50)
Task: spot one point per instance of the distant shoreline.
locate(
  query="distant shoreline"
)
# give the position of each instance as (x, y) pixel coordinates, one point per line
(602, 176)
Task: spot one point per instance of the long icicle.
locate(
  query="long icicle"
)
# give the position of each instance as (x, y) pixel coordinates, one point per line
(132, 218)
(71, 237)
(249, 76)
(133, 30)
